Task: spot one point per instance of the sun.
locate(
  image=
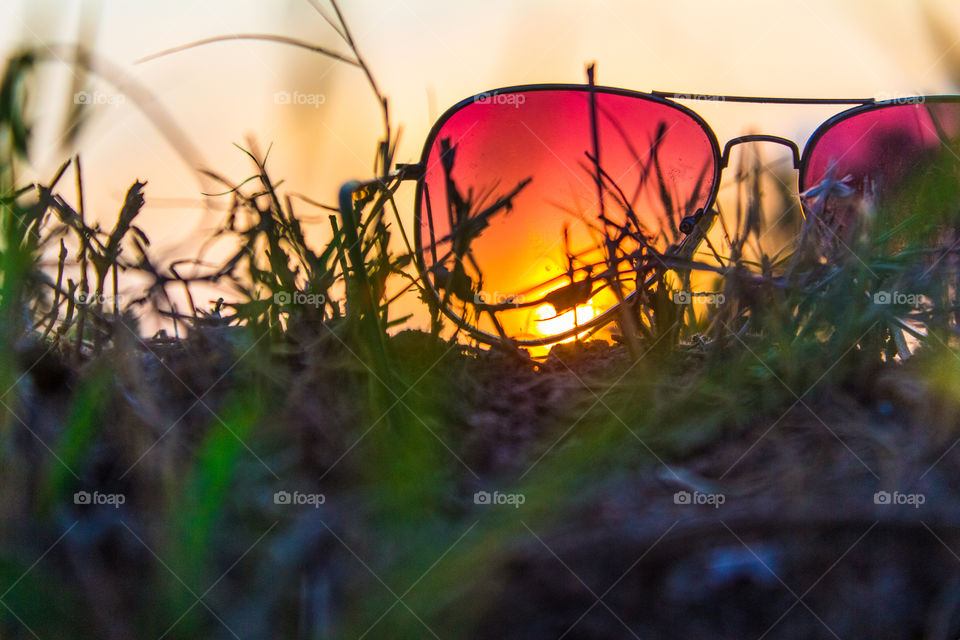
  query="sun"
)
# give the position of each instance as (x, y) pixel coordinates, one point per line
(550, 324)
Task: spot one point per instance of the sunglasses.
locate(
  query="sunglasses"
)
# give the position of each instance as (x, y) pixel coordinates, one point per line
(539, 207)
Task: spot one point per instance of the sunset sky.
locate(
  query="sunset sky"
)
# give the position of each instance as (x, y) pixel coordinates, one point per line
(427, 55)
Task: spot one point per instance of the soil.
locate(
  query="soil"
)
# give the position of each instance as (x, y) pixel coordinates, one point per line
(779, 528)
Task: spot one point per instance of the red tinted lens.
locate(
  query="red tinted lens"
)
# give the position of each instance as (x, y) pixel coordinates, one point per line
(535, 148)
(882, 153)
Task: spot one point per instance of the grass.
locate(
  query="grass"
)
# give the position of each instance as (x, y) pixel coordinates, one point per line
(297, 383)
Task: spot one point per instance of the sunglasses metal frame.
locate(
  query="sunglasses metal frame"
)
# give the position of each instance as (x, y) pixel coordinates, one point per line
(417, 172)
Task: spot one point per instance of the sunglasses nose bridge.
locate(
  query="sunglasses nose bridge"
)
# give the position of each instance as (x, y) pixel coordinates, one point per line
(759, 137)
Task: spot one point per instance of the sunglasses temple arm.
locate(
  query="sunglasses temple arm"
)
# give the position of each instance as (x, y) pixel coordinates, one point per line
(356, 279)
(402, 172)
(346, 202)
(350, 245)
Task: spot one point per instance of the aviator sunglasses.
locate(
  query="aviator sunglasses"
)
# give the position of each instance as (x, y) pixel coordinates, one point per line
(538, 207)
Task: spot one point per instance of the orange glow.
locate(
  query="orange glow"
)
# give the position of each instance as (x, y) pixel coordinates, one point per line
(549, 323)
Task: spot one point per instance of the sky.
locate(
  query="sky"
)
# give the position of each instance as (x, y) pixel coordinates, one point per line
(426, 56)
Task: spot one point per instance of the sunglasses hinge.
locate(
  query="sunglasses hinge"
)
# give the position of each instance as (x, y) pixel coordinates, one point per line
(406, 171)
(689, 223)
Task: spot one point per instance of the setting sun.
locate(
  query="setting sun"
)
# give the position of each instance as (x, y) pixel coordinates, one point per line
(549, 323)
